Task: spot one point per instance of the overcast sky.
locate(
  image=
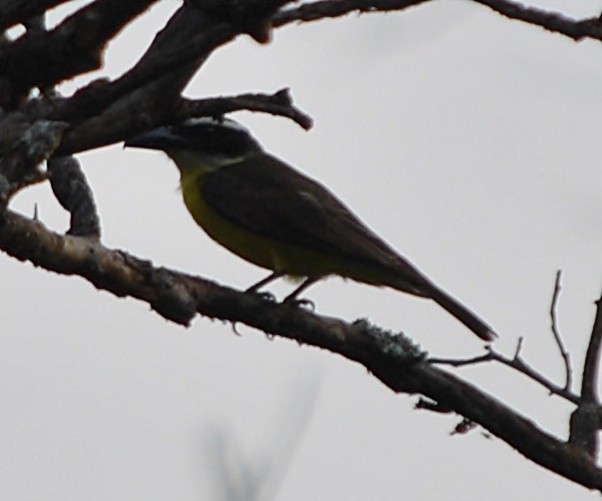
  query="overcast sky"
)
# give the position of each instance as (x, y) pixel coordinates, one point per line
(469, 142)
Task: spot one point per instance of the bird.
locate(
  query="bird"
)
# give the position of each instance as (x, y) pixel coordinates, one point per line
(270, 214)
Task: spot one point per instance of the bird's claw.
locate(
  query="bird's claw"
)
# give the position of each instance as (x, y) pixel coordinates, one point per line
(301, 303)
(266, 296)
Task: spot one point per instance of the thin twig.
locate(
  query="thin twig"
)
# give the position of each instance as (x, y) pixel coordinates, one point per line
(551, 21)
(565, 354)
(452, 362)
(517, 363)
(325, 9)
(519, 347)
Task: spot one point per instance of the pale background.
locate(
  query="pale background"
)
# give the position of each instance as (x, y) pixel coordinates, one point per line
(469, 142)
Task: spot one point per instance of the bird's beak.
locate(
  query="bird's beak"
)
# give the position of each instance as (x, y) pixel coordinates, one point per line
(161, 138)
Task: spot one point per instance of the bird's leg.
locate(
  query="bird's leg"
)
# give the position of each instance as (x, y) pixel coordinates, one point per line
(270, 278)
(268, 296)
(292, 297)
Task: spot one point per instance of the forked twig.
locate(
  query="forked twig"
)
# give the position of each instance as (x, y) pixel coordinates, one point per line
(517, 363)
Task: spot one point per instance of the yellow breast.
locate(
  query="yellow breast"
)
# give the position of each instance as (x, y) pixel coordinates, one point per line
(256, 248)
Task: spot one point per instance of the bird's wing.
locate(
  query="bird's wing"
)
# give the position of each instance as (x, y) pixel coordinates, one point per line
(268, 197)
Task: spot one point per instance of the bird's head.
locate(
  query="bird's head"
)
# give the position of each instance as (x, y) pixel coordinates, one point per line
(215, 142)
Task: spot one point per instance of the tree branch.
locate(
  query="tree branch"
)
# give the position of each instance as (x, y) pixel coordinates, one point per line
(554, 325)
(393, 359)
(585, 421)
(24, 146)
(152, 87)
(326, 9)
(148, 95)
(517, 363)
(279, 104)
(16, 11)
(71, 189)
(591, 368)
(72, 48)
(551, 21)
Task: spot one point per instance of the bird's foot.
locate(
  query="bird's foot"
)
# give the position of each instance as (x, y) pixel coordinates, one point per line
(300, 303)
(266, 296)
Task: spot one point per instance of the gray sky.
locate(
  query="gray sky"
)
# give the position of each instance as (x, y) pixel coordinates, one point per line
(466, 141)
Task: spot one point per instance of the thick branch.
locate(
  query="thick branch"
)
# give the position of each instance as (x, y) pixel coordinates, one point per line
(22, 152)
(152, 89)
(391, 358)
(72, 48)
(585, 422)
(71, 189)
(153, 86)
(16, 11)
(106, 112)
(177, 52)
(191, 39)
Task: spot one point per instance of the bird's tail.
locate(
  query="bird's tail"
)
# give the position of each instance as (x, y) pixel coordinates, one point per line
(462, 313)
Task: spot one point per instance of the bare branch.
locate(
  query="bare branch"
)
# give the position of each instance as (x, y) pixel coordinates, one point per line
(252, 17)
(25, 148)
(391, 358)
(454, 362)
(585, 421)
(325, 9)
(152, 87)
(565, 355)
(71, 189)
(16, 11)
(148, 95)
(279, 104)
(72, 48)
(517, 363)
(551, 21)
(591, 369)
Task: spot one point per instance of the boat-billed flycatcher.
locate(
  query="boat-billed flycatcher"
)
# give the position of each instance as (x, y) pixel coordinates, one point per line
(270, 214)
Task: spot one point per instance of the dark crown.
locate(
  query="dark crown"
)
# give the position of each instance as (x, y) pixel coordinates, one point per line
(208, 136)
(219, 137)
